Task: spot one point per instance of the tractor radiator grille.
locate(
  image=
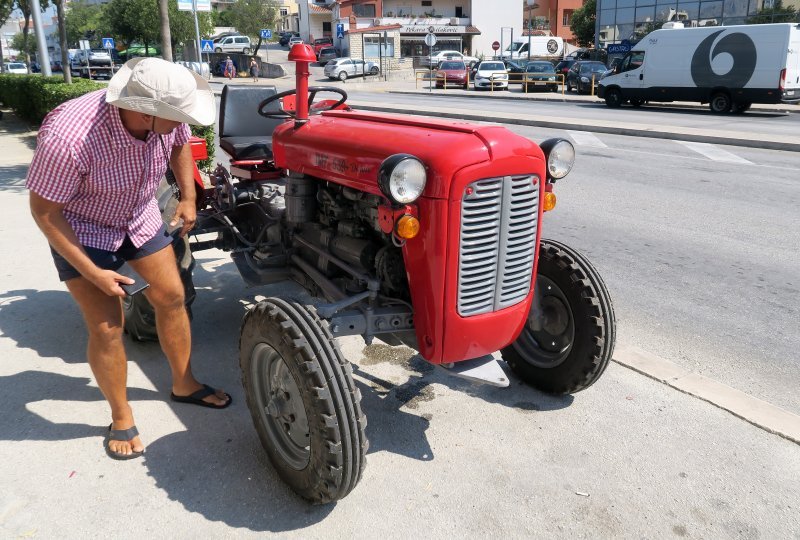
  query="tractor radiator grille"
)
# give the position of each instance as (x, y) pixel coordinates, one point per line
(498, 239)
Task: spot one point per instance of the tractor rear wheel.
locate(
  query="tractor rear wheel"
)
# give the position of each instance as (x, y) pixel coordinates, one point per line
(140, 318)
(303, 400)
(569, 337)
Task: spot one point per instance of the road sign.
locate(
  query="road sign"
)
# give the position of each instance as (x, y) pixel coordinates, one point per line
(266, 34)
(206, 46)
(430, 40)
(202, 5)
(108, 43)
(496, 46)
(339, 31)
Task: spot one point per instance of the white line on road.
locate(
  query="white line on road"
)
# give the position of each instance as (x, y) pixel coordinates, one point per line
(751, 409)
(713, 152)
(584, 138)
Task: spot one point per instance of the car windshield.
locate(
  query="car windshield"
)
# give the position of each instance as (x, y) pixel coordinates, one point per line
(322, 41)
(452, 65)
(540, 67)
(593, 68)
(327, 50)
(15, 65)
(495, 66)
(100, 51)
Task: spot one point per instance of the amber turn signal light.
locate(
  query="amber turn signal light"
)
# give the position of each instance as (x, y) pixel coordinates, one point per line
(549, 201)
(407, 227)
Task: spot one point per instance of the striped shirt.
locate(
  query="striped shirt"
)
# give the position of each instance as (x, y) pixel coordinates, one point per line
(107, 179)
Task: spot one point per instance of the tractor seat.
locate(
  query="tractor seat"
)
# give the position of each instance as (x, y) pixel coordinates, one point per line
(240, 148)
(243, 133)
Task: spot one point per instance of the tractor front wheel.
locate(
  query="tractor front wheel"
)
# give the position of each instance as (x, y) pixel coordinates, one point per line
(140, 318)
(569, 337)
(303, 400)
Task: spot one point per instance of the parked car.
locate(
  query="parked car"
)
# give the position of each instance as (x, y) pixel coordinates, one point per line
(516, 70)
(563, 66)
(342, 68)
(583, 73)
(540, 75)
(285, 37)
(326, 54)
(441, 56)
(321, 43)
(452, 72)
(491, 74)
(233, 44)
(18, 68)
(99, 57)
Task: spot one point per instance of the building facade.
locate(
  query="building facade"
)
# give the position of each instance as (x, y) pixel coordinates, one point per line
(551, 18)
(619, 20)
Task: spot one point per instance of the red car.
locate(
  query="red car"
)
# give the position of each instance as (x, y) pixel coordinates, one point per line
(321, 43)
(452, 72)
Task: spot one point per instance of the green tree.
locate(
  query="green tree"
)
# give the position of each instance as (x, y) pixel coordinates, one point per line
(24, 43)
(6, 7)
(133, 21)
(181, 25)
(778, 13)
(25, 7)
(84, 20)
(250, 16)
(583, 23)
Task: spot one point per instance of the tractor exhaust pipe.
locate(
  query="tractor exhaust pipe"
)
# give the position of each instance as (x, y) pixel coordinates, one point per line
(302, 55)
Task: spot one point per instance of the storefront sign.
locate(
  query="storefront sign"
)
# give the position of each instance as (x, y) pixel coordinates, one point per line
(432, 29)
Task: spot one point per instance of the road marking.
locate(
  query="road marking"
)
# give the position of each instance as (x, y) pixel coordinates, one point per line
(714, 152)
(749, 408)
(584, 138)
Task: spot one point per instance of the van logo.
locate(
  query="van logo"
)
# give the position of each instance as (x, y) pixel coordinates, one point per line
(742, 50)
(552, 46)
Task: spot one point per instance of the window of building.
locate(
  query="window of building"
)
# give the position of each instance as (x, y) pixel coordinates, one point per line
(567, 17)
(427, 3)
(376, 46)
(284, 12)
(364, 10)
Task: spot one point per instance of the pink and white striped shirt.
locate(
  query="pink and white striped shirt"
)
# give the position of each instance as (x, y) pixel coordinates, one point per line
(107, 178)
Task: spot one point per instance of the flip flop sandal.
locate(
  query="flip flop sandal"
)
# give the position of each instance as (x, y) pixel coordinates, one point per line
(124, 435)
(197, 398)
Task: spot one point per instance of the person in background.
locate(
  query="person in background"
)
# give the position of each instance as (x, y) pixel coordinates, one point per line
(254, 69)
(230, 69)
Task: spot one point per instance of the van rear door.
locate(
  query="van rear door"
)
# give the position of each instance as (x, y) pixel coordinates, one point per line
(792, 80)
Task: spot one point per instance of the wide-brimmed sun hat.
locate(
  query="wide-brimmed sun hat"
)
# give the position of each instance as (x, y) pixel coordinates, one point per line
(163, 89)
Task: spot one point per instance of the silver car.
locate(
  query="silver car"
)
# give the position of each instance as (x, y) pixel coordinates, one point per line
(342, 68)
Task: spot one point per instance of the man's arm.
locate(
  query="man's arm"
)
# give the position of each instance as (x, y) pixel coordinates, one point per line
(182, 165)
(49, 216)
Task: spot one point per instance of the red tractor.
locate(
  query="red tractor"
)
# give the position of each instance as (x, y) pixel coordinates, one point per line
(414, 231)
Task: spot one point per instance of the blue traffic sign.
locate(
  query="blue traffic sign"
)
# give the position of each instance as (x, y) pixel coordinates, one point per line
(266, 34)
(339, 31)
(108, 43)
(618, 48)
(206, 46)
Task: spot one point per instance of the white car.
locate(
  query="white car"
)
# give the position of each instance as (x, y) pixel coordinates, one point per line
(18, 68)
(233, 44)
(490, 74)
(342, 68)
(441, 56)
(294, 41)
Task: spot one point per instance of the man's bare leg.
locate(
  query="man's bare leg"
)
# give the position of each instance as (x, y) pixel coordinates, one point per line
(172, 322)
(106, 354)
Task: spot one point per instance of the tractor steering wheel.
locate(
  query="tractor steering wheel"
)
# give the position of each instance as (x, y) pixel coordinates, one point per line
(312, 93)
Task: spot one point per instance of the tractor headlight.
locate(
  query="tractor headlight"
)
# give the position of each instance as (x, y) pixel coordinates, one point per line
(402, 178)
(560, 157)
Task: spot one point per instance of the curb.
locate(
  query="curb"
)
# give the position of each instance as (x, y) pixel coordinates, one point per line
(761, 414)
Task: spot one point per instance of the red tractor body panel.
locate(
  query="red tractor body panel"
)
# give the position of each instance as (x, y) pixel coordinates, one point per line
(347, 148)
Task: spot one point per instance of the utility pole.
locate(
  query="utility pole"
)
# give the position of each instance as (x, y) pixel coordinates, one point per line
(166, 36)
(62, 40)
(44, 57)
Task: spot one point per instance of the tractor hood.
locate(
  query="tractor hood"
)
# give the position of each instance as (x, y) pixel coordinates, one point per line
(348, 147)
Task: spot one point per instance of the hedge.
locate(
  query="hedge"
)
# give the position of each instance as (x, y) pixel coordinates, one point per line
(33, 96)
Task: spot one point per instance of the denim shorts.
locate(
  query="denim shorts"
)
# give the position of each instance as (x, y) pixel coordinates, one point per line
(113, 260)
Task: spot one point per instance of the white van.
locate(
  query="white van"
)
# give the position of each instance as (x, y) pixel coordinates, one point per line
(233, 44)
(728, 67)
(540, 47)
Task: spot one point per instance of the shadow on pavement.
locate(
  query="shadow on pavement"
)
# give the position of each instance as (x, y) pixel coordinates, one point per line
(12, 178)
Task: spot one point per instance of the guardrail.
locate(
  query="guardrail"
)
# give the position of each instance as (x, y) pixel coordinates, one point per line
(536, 80)
(435, 77)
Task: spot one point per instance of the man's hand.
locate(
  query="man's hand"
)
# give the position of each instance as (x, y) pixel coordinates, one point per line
(108, 281)
(185, 213)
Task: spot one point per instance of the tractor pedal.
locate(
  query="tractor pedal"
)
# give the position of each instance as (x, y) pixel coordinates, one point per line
(483, 369)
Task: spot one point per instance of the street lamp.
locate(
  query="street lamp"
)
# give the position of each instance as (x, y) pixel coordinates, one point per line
(531, 6)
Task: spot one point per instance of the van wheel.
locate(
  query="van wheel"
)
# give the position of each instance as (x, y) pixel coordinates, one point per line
(637, 102)
(342, 75)
(218, 50)
(720, 103)
(613, 98)
(245, 51)
(373, 70)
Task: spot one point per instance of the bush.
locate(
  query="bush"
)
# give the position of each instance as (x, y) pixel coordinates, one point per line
(33, 96)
